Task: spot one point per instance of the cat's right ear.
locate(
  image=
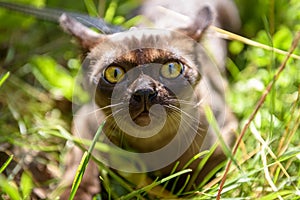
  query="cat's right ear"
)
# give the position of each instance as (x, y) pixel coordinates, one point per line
(204, 18)
(86, 37)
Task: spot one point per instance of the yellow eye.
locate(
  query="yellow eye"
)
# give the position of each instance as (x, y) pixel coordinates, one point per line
(114, 74)
(171, 70)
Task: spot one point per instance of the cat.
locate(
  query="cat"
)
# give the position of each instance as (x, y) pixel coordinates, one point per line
(151, 86)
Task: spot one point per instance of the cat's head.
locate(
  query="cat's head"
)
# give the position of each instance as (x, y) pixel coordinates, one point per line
(130, 72)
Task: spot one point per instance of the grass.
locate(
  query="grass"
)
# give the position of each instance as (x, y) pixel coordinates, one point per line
(36, 111)
(85, 160)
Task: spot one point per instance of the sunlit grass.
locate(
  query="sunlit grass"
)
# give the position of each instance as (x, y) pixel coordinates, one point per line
(267, 162)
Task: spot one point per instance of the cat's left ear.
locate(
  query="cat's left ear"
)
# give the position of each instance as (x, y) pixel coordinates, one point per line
(86, 37)
(204, 18)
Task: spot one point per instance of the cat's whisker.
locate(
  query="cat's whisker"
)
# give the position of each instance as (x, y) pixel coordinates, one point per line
(199, 103)
(119, 121)
(189, 137)
(100, 109)
(113, 105)
(112, 126)
(186, 125)
(108, 116)
(107, 107)
(190, 103)
(185, 121)
(183, 112)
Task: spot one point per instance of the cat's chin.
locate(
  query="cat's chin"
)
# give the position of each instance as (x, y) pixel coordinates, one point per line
(143, 119)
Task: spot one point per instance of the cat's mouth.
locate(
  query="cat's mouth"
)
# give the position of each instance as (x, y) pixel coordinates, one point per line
(142, 118)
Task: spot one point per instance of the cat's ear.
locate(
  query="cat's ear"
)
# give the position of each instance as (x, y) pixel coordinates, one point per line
(86, 37)
(204, 18)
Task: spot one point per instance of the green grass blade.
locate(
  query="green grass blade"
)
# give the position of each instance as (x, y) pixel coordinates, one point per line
(274, 195)
(211, 174)
(184, 185)
(172, 172)
(83, 164)
(213, 122)
(114, 175)
(79, 175)
(155, 183)
(110, 12)
(3, 78)
(200, 166)
(91, 7)
(175, 175)
(194, 158)
(3, 167)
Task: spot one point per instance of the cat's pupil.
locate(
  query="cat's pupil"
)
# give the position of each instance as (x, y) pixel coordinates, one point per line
(171, 68)
(117, 72)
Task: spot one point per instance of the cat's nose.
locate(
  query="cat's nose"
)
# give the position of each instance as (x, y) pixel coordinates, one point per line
(146, 95)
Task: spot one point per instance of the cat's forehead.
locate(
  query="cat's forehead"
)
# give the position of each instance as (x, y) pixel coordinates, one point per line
(147, 37)
(143, 45)
(146, 55)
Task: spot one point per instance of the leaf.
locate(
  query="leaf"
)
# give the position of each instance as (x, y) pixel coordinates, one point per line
(9, 188)
(26, 185)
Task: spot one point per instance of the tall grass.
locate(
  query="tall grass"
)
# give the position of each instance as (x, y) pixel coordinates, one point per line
(35, 116)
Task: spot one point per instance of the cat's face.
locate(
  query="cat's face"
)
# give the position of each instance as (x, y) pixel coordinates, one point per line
(145, 67)
(135, 70)
(139, 85)
(145, 81)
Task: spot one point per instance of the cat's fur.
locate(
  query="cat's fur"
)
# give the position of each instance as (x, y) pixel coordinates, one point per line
(202, 65)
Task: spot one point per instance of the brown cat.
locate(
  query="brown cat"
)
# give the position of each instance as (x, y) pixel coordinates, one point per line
(151, 87)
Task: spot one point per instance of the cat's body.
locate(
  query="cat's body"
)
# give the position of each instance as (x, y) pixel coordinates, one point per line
(126, 76)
